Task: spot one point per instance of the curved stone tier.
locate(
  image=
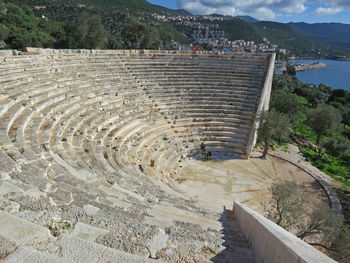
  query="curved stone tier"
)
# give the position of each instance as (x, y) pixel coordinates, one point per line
(90, 141)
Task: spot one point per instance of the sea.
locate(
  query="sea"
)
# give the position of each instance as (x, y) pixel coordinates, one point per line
(335, 75)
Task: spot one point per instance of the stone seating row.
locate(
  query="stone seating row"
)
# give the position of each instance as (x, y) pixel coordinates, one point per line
(196, 113)
(78, 139)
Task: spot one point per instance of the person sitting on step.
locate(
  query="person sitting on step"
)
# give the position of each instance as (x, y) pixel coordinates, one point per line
(208, 155)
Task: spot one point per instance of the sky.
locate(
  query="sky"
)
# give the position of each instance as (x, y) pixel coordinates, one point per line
(310, 11)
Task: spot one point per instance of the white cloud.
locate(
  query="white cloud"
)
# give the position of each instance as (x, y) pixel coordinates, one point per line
(339, 3)
(263, 13)
(229, 7)
(261, 9)
(321, 11)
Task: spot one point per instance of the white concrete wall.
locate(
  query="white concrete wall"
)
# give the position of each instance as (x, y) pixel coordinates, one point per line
(273, 244)
(263, 104)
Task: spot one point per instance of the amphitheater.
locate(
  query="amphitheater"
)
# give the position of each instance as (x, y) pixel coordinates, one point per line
(95, 146)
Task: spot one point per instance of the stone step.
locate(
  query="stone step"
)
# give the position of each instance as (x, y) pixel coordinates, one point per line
(24, 254)
(81, 251)
(23, 232)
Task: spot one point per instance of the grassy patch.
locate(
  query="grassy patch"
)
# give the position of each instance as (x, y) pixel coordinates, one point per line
(303, 101)
(337, 168)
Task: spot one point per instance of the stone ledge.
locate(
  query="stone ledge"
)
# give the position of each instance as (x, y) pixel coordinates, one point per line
(47, 51)
(271, 243)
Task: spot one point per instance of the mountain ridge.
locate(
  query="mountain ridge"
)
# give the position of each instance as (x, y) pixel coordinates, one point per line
(139, 5)
(116, 13)
(335, 34)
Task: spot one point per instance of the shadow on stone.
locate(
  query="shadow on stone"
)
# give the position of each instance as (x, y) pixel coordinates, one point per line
(237, 247)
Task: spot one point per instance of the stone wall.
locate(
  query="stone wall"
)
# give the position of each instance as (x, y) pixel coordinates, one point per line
(263, 104)
(273, 244)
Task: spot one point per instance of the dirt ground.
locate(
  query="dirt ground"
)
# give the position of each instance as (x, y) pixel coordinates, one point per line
(219, 182)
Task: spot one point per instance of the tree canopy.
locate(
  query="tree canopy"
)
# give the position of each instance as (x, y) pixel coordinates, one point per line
(288, 208)
(81, 28)
(273, 126)
(324, 120)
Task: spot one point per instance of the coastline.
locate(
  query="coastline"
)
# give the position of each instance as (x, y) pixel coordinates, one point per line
(304, 66)
(336, 75)
(312, 58)
(307, 66)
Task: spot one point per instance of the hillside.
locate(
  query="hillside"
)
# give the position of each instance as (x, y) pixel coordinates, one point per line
(248, 19)
(66, 26)
(238, 28)
(335, 34)
(299, 44)
(283, 35)
(134, 5)
(115, 14)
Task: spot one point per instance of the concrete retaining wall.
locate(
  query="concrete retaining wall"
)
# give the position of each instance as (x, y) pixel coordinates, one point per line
(273, 244)
(263, 104)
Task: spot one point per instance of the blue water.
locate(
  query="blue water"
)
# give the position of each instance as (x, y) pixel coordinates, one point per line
(336, 74)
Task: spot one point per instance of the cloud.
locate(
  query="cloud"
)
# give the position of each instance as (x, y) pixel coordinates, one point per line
(339, 3)
(262, 9)
(321, 11)
(228, 7)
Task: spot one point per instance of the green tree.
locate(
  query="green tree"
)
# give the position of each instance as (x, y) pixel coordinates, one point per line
(54, 30)
(290, 70)
(345, 111)
(114, 42)
(322, 222)
(286, 207)
(313, 94)
(87, 32)
(4, 32)
(133, 33)
(341, 246)
(96, 35)
(337, 147)
(324, 120)
(167, 38)
(286, 103)
(151, 40)
(273, 126)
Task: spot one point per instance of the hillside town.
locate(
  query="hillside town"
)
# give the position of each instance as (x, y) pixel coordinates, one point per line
(206, 34)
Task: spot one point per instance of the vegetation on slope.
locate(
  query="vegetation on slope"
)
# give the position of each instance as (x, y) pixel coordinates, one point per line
(298, 44)
(283, 35)
(319, 226)
(323, 115)
(320, 115)
(50, 25)
(133, 5)
(239, 29)
(19, 27)
(335, 34)
(81, 28)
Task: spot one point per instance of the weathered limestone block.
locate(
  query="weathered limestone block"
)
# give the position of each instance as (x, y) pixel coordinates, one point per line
(29, 255)
(22, 231)
(91, 210)
(6, 188)
(81, 251)
(87, 232)
(158, 243)
(6, 247)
